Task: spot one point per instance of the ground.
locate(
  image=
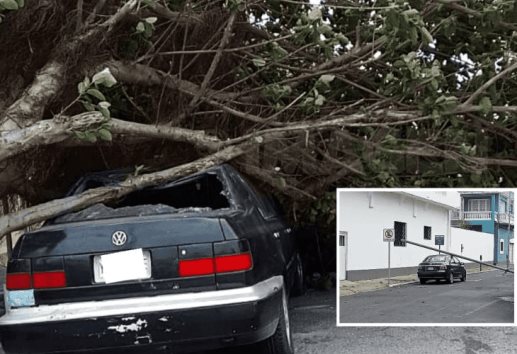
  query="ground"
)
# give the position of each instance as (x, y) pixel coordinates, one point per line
(484, 298)
(313, 319)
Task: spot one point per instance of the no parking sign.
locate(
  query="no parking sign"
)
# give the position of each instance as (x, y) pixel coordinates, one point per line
(388, 235)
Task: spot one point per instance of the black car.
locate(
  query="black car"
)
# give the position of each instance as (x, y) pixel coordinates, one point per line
(441, 267)
(200, 263)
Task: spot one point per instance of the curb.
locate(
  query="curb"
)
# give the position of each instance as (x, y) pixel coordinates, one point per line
(405, 283)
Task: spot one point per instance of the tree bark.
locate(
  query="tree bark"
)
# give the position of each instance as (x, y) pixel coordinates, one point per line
(61, 128)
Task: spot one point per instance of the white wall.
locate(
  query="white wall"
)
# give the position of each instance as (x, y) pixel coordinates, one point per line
(474, 244)
(365, 214)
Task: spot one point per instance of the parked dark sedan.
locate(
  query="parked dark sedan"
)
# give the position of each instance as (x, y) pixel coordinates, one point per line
(441, 267)
(201, 263)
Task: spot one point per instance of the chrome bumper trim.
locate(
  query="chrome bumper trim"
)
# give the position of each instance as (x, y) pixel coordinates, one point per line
(117, 307)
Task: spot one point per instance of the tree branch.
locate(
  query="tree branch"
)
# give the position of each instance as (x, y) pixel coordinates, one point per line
(489, 83)
(215, 62)
(52, 131)
(44, 211)
(51, 78)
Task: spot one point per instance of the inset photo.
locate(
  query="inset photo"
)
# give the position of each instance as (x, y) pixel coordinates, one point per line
(425, 256)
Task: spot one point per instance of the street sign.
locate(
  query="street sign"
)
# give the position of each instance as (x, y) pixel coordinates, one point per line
(439, 240)
(388, 235)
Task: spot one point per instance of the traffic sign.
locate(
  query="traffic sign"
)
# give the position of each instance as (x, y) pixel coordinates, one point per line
(388, 235)
(439, 240)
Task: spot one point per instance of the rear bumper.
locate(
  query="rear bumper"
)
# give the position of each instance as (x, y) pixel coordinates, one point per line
(183, 322)
(439, 274)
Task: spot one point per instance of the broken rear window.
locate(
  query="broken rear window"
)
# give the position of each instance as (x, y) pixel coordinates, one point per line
(196, 194)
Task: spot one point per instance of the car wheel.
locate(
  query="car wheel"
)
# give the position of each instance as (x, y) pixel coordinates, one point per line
(463, 276)
(299, 282)
(280, 342)
(422, 281)
(450, 278)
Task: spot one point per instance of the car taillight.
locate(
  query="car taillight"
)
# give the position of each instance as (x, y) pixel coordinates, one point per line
(196, 267)
(45, 280)
(216, 265)
(233, 263)
(18, 281)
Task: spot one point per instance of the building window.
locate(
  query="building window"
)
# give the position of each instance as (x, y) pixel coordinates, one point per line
(341, 240)
(501, 246)
(427, 232)
(502, 206)
(478, 205)
(400, 233)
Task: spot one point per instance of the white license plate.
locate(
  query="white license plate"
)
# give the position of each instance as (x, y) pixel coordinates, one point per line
(430, 268)
(122, 266)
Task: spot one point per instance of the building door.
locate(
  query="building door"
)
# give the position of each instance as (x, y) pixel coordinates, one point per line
(511, 252)
(342, 249)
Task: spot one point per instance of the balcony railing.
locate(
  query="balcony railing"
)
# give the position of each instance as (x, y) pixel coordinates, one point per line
(471, 215)
(503, 218)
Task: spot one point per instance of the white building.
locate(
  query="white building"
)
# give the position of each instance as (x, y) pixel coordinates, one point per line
(362, 216)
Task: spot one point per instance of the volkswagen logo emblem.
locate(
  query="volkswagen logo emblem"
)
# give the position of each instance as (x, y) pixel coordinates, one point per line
(119, 238)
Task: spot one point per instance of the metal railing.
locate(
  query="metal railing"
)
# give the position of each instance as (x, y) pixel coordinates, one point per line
(471, 215)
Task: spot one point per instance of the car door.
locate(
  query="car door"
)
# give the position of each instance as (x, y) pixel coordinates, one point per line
(455, 263)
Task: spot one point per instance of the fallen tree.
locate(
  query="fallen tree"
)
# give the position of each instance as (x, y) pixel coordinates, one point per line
(303, 98)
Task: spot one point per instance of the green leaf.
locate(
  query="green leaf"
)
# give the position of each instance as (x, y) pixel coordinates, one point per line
(105, 134)
(413, 35)
(140, 27)
(81, 88)
(105, 112)
(314, 14)
(104, 104)
(87, 81)
(151, 20)
(148, 32)
(434, 84)
(486, 105)
(88, 106)
(282, 183)
(475, 178)
(426, 36)
(327, 78)
(104, 78)
(80, 135)
(319, 101)
(9, 4)
(259, 62)
(90, 137)
(21, 3)
(96, 93)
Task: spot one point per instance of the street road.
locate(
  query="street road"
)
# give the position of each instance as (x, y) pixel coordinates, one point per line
(313, 320)
(483, 298)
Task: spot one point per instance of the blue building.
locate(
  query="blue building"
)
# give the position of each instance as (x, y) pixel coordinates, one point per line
(491, 212)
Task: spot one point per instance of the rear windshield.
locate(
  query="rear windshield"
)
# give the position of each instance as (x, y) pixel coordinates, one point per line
(436, 259)
(201, 193)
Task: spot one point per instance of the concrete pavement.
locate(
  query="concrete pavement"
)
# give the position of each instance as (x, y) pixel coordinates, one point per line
(313, 320)
(360, 286)
(483, 298)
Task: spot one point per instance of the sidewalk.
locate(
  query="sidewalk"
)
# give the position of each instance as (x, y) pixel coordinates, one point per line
(361, 286)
